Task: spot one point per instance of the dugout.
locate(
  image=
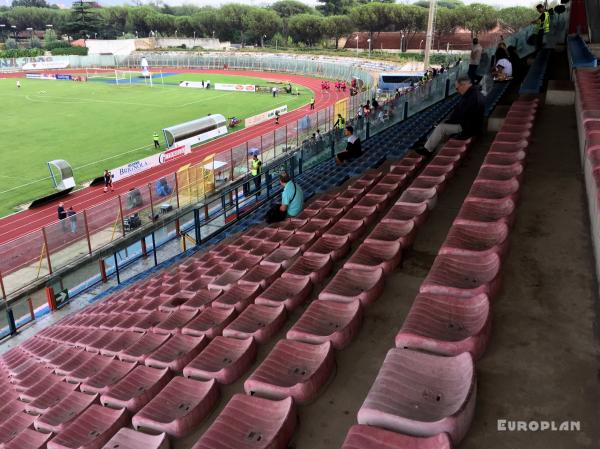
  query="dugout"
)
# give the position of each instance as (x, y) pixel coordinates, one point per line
(205, 126)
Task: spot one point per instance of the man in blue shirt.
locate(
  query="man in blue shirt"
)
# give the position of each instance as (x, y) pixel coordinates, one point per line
(292, 200)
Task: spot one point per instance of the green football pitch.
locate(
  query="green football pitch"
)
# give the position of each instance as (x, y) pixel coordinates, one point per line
(98, 124)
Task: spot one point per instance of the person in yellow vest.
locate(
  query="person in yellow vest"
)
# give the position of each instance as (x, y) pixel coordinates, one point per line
(543, 26)
(255, 170)
(156, 141)
(312, 103)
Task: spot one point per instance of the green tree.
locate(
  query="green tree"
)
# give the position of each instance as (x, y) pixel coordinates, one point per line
(446, 22)
(30, 3)
(306, 28)
(50, 38)
(234, 18)
(477, 18)
(337, 27)
(114, 21)
(288, 8)
(84, 20)
(408, 19)
(450, 4)
(335, 7)
(262, 24)
(208, 21)
(516, 17)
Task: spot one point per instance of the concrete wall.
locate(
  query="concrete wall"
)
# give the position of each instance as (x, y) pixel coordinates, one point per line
(208, 44)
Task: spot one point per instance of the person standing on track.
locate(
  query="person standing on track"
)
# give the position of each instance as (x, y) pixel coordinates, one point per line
(277, 117)
(156, 141)
(72, 219)
(62, 214)
(312, 103)
(108, 181)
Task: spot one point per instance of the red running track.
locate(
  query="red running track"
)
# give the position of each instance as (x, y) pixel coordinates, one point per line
(24, 222)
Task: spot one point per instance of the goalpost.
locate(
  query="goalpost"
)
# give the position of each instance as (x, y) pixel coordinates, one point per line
(123, 77)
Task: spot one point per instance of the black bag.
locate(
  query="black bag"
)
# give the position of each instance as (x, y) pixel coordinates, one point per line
(532, 39)
(275, 214)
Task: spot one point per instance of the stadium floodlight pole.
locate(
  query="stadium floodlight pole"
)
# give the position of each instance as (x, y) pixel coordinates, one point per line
(429, 35)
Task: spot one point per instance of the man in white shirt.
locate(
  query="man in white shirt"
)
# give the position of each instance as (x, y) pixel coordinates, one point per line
(474, 61)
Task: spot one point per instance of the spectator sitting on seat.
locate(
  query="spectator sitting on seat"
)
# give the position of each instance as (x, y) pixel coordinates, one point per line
(353, 147)
(503, 70)
(465, 121)
(292, 200)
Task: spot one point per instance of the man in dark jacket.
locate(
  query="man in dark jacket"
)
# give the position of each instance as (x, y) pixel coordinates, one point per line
(464, 122)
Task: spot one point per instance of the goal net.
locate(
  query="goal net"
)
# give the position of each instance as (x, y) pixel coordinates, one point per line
(125, 77)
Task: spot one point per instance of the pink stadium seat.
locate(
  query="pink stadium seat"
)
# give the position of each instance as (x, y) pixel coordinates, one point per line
(265, 248)
(38, 389)
(29, 378)
(52, 396)
(239, 297)
(177, 352)
(373, 255)
(301, 240)
(262, 275)
(418, 196)
(130, 439)
(314, 266)
(82, 357)
(283, 256)
(227, 280)
(429, 182)
(336, 246)
(317, 204)
(148, 321)
(88, 369)
(341, 203)
(367, 437)
(487, 211)
(459, 151)
(294, 369)
(410, 396)
(58, 417)
(28, 439)
(350, 284)
(210, 322)
(251, 423)
(322, 321)
(386, 190)
(371, 199)
(392, 231)
(497, 158)
(201, 299)
(407, 211)
(123, 341)
(476, 238)
(136, 389)
(362, 213)
(501, 172)
(352, 229)
(11, 408)
(90, 430)
(14, 425)
(173, 324)
(224, 359)
(175, 302)
(511, 137)
(257, 321)
(138, 352)
(394, 181)
(106, 378)
(495, 190)
(464, 276)
(447, 325)
(180, 407)
(288, 292)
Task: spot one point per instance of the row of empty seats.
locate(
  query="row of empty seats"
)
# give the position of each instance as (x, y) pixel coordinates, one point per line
(580, 55)
(424, 394)
(587, 111)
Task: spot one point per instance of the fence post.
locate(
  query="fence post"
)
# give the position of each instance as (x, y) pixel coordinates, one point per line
(117, 268)
(151, 201)
(286, 135)
(177, 187)
(447, 91)
(121, 213)
(144, 249)
(51, 298)
(10, 317)
(197, 223)
(297, 133)
(154, 249)
(30, 306)
(87, 231)
(47, 250)
(102, 270)
(405, 114)
(232, 163)
(2, 286)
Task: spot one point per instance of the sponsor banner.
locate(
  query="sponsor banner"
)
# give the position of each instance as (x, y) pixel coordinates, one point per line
(133, 168)
(265, 116)
(236, 87)
(194, 84)
(49, 76)
(63, 77)
(45, 65)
